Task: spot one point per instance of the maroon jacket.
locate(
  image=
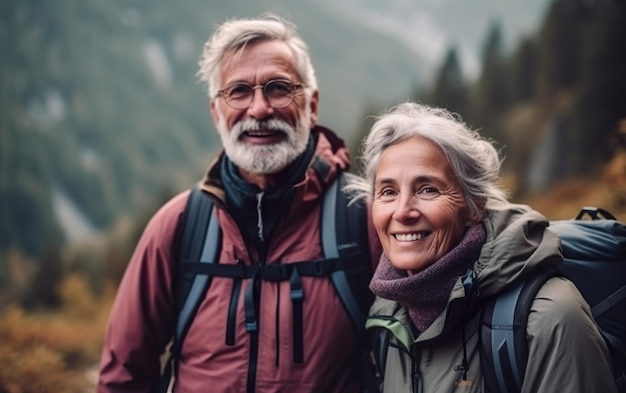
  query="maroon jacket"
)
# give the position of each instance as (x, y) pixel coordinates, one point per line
(143, 316)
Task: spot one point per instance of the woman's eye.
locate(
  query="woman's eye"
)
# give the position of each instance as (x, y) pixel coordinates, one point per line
(428, 192)
(386, 192)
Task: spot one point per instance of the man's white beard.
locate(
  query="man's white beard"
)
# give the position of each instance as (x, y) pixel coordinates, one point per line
(265, 159)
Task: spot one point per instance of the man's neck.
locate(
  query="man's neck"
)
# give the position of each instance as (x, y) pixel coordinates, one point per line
(263, 181)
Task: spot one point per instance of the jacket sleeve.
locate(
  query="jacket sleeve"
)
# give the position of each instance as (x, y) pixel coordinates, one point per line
(566, 351)
(142, 319)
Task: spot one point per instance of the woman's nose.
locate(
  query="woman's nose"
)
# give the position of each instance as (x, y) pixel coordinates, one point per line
(406, 209)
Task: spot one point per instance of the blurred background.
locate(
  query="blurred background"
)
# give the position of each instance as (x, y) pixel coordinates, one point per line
(102, 119)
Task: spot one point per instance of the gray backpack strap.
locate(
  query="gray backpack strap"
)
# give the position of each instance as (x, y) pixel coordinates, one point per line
(344, 235)
(200, 282)
(199, 242)
(504, 344)
(344, 232)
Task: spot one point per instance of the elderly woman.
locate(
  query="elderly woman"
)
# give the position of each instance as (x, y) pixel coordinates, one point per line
(442, 218)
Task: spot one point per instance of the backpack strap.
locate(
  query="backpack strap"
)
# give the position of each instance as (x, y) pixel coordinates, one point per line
(344, 233)
(347, 260)
(380, 331)
(504, 344)
(594, 251)
(401, 333)
(201, 244)
(199, 240)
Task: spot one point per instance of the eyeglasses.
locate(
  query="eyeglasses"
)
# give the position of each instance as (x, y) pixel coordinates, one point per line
(278, 92)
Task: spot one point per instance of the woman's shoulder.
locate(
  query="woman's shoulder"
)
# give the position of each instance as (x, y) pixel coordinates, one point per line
(566, 350)
(560, 311)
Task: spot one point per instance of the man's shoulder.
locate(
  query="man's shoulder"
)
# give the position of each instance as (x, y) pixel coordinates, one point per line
(175, 204)
(168, 216)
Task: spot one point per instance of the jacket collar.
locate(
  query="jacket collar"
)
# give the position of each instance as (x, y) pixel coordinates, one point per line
(330, 156)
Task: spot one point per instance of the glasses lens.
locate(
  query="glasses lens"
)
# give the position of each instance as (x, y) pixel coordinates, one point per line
(238, 95)
(278, 93)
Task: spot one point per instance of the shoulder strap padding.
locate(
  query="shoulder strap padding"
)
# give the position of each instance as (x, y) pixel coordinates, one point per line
(196, 241)
(344, 236)
(200, 241)
(594, 251)
(344, 232)
(504, 344)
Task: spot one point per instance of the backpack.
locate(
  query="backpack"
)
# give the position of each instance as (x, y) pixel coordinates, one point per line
(347, 263)
(594, 254)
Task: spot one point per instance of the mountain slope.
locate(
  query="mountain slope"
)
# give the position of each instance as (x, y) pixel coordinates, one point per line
(100, 102)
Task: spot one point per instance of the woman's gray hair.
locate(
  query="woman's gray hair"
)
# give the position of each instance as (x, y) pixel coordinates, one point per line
(474, 160)
(235, 34)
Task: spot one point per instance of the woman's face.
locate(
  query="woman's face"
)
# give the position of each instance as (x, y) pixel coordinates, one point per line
(418, 209)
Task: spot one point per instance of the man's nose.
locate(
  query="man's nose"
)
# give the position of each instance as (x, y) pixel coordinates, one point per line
(260, 107)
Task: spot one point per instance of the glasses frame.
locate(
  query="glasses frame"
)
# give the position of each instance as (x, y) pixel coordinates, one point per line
(292, 93)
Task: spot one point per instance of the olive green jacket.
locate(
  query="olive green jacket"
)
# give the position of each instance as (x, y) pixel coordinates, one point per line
(566, 351)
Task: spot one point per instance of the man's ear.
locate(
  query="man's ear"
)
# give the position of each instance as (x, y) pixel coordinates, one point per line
(215, 113)
(314, 107)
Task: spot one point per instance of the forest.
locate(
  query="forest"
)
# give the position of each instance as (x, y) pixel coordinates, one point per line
(555, 105)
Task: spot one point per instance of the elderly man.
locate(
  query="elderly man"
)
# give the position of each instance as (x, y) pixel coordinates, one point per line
(280, 319)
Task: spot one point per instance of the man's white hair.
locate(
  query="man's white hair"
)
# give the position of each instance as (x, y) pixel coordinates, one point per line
(233, 35)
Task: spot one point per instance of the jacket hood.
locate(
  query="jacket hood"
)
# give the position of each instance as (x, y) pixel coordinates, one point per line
(517, 243)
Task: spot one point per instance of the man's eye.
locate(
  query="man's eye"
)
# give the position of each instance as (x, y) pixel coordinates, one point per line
(238, 91)
(278, 88)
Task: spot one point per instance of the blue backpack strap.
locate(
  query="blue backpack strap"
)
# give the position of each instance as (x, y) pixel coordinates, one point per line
(199, 242)
(504, 344)
(347, 258)
(344, 233)
(594, 251)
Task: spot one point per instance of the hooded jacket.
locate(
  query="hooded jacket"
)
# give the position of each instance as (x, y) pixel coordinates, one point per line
(566, 350)
(144, 314)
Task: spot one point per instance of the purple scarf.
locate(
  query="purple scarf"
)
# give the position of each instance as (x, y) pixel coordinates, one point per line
(426, 293)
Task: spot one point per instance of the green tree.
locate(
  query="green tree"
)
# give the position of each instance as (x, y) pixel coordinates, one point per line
(523, 70)
(491, 90)
(560, 46)
(601, 92)
(449, 90)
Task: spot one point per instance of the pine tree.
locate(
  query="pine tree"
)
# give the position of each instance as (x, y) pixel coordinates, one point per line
(450, 90)
(601, 93)
(491, 91)
(523, 70)
(559, 47)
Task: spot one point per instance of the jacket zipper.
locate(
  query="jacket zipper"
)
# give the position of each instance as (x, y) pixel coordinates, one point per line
(254, 336)
(259, 215)
(415, 371)
(253, 357)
